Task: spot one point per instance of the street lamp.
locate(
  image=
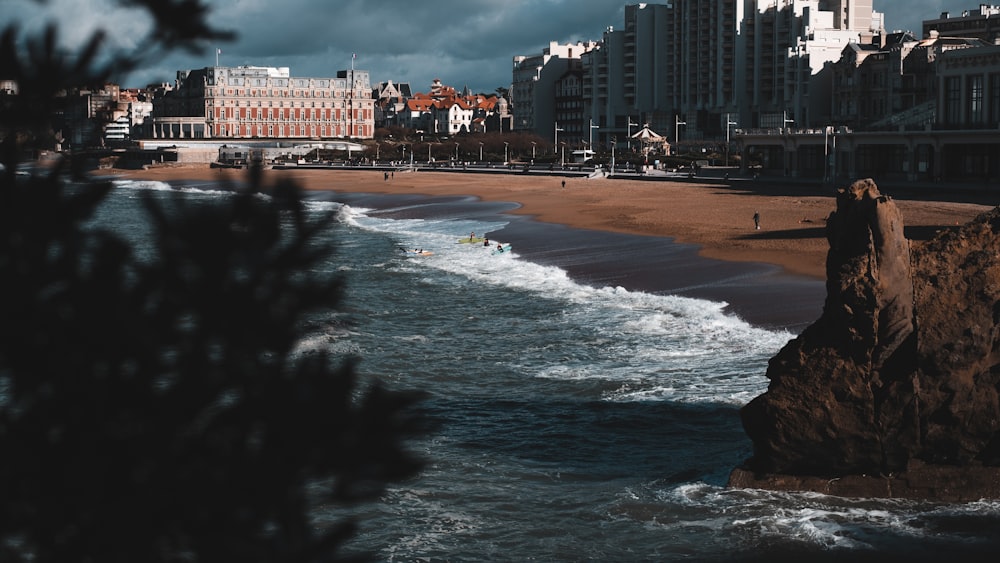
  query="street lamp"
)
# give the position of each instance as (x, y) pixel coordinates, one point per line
(505, 159)
(630, 125)
(480, 151)
(590, 143)
(562, 161)
(555, 144)
(532, 151)
(456, 152)
(728, 123)
(614, 141)
(677, 132)
(785, 120)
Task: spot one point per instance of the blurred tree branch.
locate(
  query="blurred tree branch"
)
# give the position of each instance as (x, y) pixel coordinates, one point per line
(159, 410)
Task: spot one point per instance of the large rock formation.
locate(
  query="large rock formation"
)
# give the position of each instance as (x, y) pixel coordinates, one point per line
(895, 390)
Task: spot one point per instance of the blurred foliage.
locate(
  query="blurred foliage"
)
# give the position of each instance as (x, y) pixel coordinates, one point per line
(158, 410)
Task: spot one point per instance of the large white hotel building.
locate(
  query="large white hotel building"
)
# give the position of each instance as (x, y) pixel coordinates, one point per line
(249, 102)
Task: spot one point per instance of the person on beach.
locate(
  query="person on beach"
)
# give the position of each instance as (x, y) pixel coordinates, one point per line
(756, 220)
(564, 184)
(472, 236)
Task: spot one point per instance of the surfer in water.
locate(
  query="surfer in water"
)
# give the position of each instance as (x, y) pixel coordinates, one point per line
(486, 241)
(499, 247)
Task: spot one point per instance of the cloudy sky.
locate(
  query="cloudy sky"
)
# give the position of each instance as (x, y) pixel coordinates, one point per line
(462, 42)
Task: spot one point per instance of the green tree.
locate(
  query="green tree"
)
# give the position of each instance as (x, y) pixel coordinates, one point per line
(156, 410)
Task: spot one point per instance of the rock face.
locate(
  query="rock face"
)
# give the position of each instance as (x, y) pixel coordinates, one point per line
(899, 380)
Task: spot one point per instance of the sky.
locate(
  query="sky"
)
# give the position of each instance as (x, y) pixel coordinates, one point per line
(461, 42)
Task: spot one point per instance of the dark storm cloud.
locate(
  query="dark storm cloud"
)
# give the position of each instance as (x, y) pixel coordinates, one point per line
(909, 15)
(462, 42)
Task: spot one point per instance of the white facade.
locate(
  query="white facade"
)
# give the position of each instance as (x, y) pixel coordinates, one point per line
(790, 44)
(452, 118)
(533, 83)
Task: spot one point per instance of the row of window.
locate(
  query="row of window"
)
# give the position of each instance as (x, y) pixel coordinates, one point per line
(285, 93)
(288, 114)
(973, 99)
(232, 130)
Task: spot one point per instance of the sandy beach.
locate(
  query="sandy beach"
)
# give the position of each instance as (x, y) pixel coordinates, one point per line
(717, 217)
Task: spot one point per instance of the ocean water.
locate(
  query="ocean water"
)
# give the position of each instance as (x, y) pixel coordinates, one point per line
(586, 390)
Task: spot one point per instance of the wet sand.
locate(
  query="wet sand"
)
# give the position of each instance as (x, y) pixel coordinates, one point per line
(772, 276)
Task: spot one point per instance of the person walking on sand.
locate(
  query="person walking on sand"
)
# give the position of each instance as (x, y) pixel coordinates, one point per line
(756, 220)
(564, 184)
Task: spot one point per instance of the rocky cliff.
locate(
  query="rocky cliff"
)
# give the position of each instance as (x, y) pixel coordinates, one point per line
(895, 390)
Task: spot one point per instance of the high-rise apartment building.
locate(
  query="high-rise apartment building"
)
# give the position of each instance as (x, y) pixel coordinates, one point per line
(788, 47)
(265, 102)
(693, 68)
(672, 62)
(533, 86)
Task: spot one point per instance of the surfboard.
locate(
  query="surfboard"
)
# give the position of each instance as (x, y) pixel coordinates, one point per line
(417, 252)
(505, 247)
(467, 240)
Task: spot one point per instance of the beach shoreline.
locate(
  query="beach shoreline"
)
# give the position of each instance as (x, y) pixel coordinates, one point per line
(717, 218)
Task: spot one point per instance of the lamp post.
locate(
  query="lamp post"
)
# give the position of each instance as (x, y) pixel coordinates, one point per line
(555, 143)
(456, 152)
(630, 125)
(677, 131)
(404, 152)
(562, 161)
(786, 157)
(728, 123)
(480, 151)
(505, 159)
(532, 151)
(590, 143)
(614, 141)
(785, 120)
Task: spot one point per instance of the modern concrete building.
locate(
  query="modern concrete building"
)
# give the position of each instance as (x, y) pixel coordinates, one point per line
(636, 76)
(982, 23)
(693, 69)
(569, 123)
(264, 102)
(534, 78)
(789, 44)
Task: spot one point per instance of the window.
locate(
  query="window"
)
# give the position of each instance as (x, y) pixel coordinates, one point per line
(952, 100)
(994, 98)
(976, 113)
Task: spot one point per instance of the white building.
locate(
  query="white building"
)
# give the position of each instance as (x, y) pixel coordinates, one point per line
(534, 81)
(793, 43)
(117, 131)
